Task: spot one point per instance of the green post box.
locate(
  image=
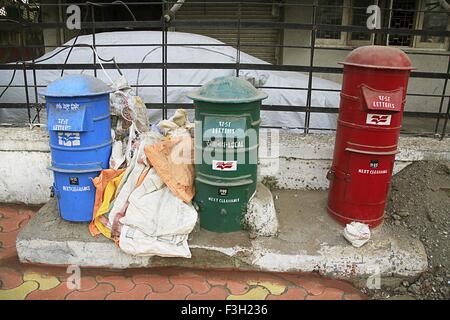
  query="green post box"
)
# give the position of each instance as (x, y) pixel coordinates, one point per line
(227, 118)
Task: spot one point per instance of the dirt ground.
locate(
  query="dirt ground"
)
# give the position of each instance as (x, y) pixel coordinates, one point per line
(420, 203)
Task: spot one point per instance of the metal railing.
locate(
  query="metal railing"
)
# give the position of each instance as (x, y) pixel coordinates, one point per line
(437, 119)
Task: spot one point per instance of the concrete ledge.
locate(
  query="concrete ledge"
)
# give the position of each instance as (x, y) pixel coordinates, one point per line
(24, 159)
(24, 139)
(305, 159)
(320, 147)
(309, 240)
(302, 162)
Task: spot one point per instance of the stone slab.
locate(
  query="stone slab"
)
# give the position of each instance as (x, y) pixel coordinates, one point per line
(308, 240)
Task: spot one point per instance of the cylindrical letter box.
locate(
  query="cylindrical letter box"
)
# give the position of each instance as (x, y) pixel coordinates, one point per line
(79, 125)
(370, 115)
(227, 118)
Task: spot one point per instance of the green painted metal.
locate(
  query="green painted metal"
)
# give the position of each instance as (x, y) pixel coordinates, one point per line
(227, 119)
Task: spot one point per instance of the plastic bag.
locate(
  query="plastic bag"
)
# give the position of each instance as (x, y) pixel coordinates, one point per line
(129, 122)
(357, 233)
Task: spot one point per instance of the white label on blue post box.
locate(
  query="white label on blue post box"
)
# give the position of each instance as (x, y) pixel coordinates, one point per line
(67, 117)
(76, 188)
(69, 139)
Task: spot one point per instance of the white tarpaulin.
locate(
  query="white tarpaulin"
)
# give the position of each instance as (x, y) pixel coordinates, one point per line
(213, 53)
(149, 215)
(157, 222)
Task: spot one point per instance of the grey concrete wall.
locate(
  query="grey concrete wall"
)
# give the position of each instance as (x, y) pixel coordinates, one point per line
(301, 163)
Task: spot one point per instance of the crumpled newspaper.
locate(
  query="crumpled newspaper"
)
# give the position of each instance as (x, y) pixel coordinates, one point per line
(129, 121)
(177, 125)
(357, 233)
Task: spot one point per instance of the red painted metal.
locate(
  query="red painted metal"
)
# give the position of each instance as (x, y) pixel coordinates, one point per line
(370, 116)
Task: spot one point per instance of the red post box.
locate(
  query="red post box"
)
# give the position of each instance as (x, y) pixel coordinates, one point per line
(370, 116)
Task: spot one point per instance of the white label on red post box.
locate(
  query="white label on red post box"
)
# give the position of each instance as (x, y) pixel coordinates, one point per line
(378, 119)
(382, 100)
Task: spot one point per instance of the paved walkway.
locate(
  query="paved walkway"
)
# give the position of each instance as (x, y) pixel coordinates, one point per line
(24, 281)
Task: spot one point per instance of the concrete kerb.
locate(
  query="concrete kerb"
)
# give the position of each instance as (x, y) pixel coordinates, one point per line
(308, 241)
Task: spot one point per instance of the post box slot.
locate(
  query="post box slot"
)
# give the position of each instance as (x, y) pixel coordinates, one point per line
(380, 153)
(68, 117)
(380, 100)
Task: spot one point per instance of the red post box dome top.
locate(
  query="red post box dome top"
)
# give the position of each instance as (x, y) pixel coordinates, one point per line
(379, 57)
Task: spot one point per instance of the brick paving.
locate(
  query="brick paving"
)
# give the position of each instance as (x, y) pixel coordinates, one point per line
(25, 281)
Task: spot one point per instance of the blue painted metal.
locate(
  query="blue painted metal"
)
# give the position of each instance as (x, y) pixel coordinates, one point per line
(75, 193)
(77, 85)
(79, 126)
(79, 130)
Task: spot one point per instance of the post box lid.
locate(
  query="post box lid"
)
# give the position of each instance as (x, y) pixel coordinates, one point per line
(379, 57)
(228, 90)
(77, 85)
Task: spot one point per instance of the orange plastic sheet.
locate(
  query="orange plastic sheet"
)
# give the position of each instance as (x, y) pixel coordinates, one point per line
(105, 184)
(173, 160)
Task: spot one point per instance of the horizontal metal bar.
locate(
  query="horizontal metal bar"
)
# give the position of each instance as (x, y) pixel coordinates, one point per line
(263, 107)
(259, 87)
(227, 24)
(243, 66)
(8, 25)
(234, 3)
(410, 51)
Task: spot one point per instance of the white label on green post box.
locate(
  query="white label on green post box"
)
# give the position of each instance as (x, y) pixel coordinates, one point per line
(224, 165)
(224, 132)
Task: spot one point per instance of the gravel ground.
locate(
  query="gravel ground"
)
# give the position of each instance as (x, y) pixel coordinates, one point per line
(420, 203)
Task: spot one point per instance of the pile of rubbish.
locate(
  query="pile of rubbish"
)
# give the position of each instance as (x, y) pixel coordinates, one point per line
(143, 201)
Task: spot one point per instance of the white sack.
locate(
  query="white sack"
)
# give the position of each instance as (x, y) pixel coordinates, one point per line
(158, 222)
(137, 243)
(132, 174)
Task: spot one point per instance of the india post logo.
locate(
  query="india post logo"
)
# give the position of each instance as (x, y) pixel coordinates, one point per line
(378, 119)
(224, 165)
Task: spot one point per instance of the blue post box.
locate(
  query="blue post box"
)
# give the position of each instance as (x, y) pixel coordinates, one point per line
(79, 126)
